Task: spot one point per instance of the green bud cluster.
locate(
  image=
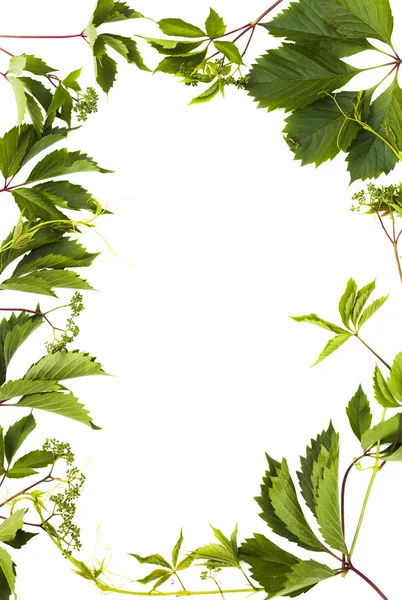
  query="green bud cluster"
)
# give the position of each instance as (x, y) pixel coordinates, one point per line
(87, 104)
(72, 329)
(384, 199)
(64, 507)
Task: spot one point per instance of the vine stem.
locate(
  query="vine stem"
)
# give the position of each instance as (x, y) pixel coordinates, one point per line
(343, 497)
(44, 37)
(372, 351)
(367, 580)
(376, 468)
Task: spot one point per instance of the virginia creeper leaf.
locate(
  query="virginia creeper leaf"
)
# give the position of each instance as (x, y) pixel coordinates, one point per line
(10, 526)
(359, 414)
(333, 345)
(63, 162)
(231, 51)
(17, 434)
(347, 302)
(371, 310)
(361, 299)
(65, 405)
(313, 319)
(64, 365)
(178, 27)
(214, 25)
(29, 463)
(381, 431)
(382, 392)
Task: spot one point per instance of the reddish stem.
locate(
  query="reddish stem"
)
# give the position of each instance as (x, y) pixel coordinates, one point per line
(367, 580)
(44, 37)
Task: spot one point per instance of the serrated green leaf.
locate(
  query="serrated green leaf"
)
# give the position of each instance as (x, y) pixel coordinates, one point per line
(216, 556)
(61, 106)
(71, 80)
(21, 538)
(35, 205)
(361, 299)
(126, 47)
(59, 403)
(359, 414)
(318, 132)
(313, 319)
(178, 27)
(301, 22)
(6, 565)
(10, 526)
(382, 392)
(28, 284)
(351, 18)
(29, 463)
(157, 574)
(292, 77)
(17, 434)
(16, 65)
(22, 387)
(287, 508)
(214, 25)
(38, 91)
(327, 497)
(395, 378)
(185, 563)
(381, 431)
(333, 345)
(269, 564)
(67, 195)
(2, 451)
(369, 156)
(36, 65)
(347, 302)
(64, 365)
(57, 255)
(14, 146)
(50, 137)
(181, 65)
(42, 282)
(152, 559)
(371, 310)
(13, 333)
(35, 114)
(231, 51)
(309, 474)
(207, 95)
(306, 573)
(108, 11)
(172, 47)
(20, 97)
(63, 162)
(105, 71)
(176, 549)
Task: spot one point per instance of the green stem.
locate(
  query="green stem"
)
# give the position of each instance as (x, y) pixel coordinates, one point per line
(376, 468)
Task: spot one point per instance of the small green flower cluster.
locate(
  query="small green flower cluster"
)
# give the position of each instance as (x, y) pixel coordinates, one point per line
(384, 199)
(65, 508)
(72, 329)
(240, 83)
(60, 450)
(86, 104)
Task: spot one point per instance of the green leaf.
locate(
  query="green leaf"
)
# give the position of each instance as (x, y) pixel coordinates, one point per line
(217, 556)
(50, 137)
(318, 132)
(14, 146)
(21, 538)
(16, 65)
(71, 80)
(42, 282)
(333, 345)
(310, 474)
(382, 392)
(270, 565)
(17, 434)
(105, 72)
(63, 162)
(35, 114)
(327, 497)
(395, 378)
(9, 527)
(28, 284)
(67, 195)
(58, 255)
(208, 95)
(347, 302)
(182, 65)
(302, 23)
(64, 365)
(292, 77)
(287, 508)
(176, 549)
(34, 205)
(306, 573)
(231, 51)
(13, 333)
(38, 91)
(22, 387)
(153, 559)
(381, 431)
(178, 27)
(6, 565)
(36, 65)
(361, 299)
(369, 156)
(61, 106)
(2, 451)
(20, 98)
(65, 405)
(173, 47)
(185, 563)
(214, 25)
(126, 47)
(371, 310)
(108, 11)
(359, 414)
(27, 464)
(351, 18)
(157, 574)
(313, 319)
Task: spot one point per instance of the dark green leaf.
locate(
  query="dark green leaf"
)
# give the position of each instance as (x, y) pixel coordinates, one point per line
(71, 80)
(14, 145)
(292, 77)
(370, 156)
(61, 106)
(10, 526)
(108, 11)
(124, 46)
(2, 451)
(354, 19)
(58, 255)
(214, 25)
(43, 282)
(359, 414)
(306, 573)
(21, 538)
(7, 566)
(395, 378)
(182, 65)
(13, 333)
(35, 205)
(178, 27)
(38, 90)
(302, 23)
(382, 392)
(35, 114)
(64, 365)
(36, 65)
(17, 434)
(318, 132)
(63, 162)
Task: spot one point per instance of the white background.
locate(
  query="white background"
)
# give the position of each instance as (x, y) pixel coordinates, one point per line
(219, 236)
